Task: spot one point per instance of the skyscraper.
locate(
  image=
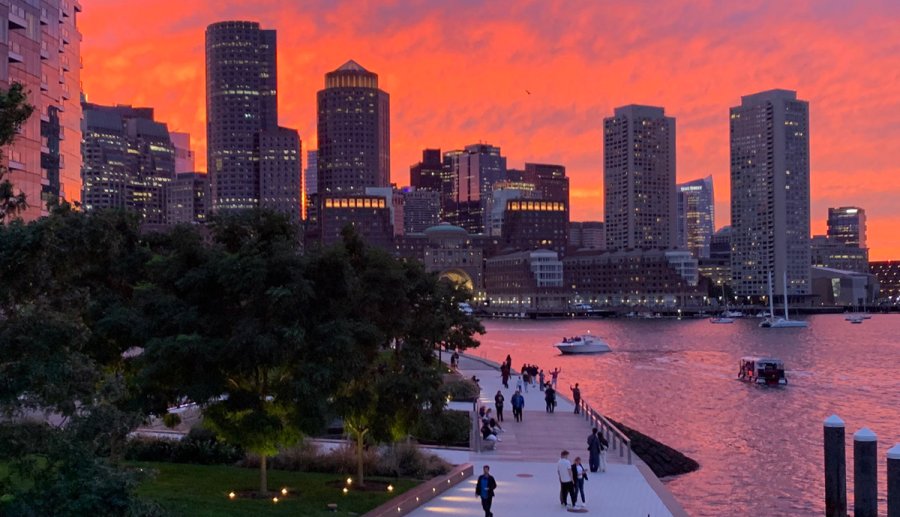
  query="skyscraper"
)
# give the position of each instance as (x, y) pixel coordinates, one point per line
(354, 132)
(639, 178)
(847, 224)
(128, 160)
(186, 198)
(184, 155)
(696, 221)
(43, 45)
(475, 171)
(770, 193)
(428, 173)
(310, 179)
(242, 119)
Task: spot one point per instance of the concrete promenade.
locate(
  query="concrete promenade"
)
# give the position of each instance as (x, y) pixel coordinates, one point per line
(524, 462)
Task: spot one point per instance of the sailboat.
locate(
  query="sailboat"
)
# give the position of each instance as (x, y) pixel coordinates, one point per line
(725, 317)
(780, 323)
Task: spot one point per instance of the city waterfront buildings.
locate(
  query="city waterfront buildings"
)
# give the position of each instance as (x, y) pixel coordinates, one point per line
(696, 220)
(639, 179)
(828, 252)
(187, 198)
(535, 224)
(128, 161)
(847, 225)
(474, 170)
(525, 281)
(310, 177)
(243, 136)
(369, 215)
(717, 268)
(769, 135)
(354, 132)
(587, 235)
(428, 174)
(42, 43)
(421, 209)
(888, 274)
(184, 155)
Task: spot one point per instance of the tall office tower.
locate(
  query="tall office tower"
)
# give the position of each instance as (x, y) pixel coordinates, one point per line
(475, 171)
(43, 45)
(354, 132)
(770, 194)
(184, 156)
(186, 198)
(531, 225)
(128, 160)
(280, 163)
(428, 174)
(639, 178)
(847, 224)
(242, 118)
(696, 221)
(310, 179)
(421, 209)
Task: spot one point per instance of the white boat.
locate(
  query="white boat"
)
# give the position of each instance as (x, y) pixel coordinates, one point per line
(856, 319)
(721, 319)
(732, 314)
(762, 314)
(583, 344)
(772, 322)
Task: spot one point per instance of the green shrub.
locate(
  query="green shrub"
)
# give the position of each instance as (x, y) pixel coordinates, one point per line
(398, 460)
(449, 428)
(199, 447)
(462, 390)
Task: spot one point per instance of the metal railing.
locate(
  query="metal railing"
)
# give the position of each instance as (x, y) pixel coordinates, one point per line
(616, 438)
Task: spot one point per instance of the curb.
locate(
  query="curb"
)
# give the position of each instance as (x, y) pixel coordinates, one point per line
(411, 500)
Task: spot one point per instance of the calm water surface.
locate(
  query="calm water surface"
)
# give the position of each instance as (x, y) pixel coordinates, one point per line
(760, 449)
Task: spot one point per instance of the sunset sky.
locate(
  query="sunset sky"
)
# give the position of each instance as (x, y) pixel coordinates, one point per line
(457, 73)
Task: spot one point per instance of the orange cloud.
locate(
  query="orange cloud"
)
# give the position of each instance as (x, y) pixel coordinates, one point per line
(457, 73)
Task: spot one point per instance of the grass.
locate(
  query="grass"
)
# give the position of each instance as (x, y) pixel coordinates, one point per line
(202, 491)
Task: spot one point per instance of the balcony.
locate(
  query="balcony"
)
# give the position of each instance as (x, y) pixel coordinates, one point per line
(45, 54)
(15, 57)
(17, 18)
(45, 20)
(16, 165)
(45, 87)
(45, 117)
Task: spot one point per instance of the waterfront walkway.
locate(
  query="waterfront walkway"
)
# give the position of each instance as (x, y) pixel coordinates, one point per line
(524, 463)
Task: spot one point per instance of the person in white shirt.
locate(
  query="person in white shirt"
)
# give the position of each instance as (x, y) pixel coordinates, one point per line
(566, 483)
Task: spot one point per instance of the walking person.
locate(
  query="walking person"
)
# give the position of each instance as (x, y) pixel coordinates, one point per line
(498, 403)
(549, 398)
(504, 375)
(566, 484)
(593, 443)
(576, 396)
(541, 377)
(604, 444)
(518, 403)
(526, 380)
(484, 489)
(579, 476)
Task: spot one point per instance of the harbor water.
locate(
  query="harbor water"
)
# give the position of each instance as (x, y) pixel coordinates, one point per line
(760, 449)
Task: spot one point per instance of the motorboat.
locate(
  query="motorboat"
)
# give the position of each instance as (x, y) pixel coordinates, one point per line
(855, 319)
(732, 314)
(721, 319)
(762, 370)
(762, 314)
(583, 344)
(773, 322)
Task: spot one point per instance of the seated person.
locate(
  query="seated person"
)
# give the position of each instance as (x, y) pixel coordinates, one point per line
(488, 435)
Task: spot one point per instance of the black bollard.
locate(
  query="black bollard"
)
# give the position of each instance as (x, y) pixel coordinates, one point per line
(893, 481)
(865, 473)
(835, 468)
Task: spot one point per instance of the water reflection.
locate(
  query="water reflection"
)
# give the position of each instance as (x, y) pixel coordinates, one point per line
(759, 448)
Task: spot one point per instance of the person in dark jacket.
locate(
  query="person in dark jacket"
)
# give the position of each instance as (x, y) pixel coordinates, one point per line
(484, 489)
(518, 403)
(498, 403)
(550, 398)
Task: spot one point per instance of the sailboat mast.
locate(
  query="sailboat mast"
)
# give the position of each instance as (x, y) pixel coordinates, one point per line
(785, 297)
(771, 300)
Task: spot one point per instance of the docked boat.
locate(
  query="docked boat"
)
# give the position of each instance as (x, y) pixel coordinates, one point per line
(855, 319)
(732, 314)
(773, 322)
(583, 344)
(721, 319)
(762, 370)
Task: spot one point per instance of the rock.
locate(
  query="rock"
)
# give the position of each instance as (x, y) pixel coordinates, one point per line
(662, 459)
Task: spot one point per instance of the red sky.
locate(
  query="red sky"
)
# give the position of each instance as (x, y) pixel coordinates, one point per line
(457, 74)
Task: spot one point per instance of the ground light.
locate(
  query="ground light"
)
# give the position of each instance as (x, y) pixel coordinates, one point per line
(284, 491)
(345, 490)
(231, 495)
(275, 500)
(390, 488)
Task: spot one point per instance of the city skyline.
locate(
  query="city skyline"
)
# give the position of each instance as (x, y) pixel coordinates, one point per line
(694, 66)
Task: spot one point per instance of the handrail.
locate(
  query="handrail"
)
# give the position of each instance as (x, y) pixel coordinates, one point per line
(616, 438)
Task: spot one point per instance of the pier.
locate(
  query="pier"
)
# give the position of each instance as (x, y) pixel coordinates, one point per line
(524, 462)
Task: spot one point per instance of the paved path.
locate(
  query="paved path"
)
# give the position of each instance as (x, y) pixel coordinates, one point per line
(524, 463)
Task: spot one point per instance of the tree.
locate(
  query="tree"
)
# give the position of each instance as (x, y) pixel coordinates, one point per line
(231, 330)
(406, 311)
(14, 111)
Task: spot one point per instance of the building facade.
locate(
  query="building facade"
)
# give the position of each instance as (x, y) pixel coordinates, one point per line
(421, 209)
(769, 135)
(525, 281)
(626, 278)
(354, 132)
(474, 170)
(888, 274)
(242, 121)
(639, 179)
(43, 45)
(696, 221)
(589, 235)
(827, 252)
(847, 224)
(535, 224)
(184, 155)
(128, 161)
(280, 163)
(370, 216)
(187, 198)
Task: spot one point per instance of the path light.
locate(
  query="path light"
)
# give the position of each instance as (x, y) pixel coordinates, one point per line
(349, 481)
(390, 488)
(284, 491)
(231, 495)
(275, 500)
(345, 490)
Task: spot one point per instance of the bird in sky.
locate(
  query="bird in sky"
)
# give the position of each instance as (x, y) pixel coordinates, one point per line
(528, 92)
